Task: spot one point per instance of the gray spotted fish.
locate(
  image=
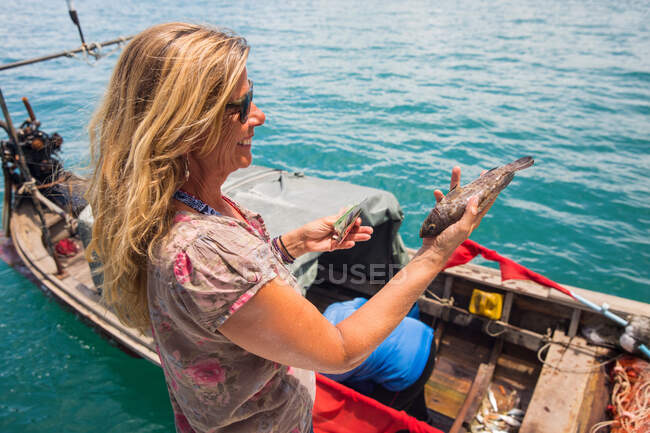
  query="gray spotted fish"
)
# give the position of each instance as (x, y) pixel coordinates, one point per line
(487, 187)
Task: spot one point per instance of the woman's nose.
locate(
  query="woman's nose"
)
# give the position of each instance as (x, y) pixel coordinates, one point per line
(256, 116)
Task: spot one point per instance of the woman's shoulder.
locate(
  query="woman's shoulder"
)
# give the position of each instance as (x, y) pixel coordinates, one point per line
(188, 229)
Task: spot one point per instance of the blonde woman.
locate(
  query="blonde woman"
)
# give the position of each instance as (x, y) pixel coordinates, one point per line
(237, 342)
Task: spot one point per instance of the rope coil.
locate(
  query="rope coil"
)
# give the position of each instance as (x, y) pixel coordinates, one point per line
(630, 398)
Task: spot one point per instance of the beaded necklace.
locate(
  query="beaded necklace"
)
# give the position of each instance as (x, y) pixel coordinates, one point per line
(195, 203)
(201, 207)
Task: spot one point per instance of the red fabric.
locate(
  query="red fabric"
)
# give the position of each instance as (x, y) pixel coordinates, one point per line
(339, 409)
(510, 270)
(66, 247)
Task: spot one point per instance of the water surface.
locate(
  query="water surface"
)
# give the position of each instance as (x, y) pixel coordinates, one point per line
(384, 94)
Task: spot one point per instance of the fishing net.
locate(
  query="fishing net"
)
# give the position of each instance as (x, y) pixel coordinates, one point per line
(630, 404)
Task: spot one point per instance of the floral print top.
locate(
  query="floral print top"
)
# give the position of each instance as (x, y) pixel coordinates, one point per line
(206, 269)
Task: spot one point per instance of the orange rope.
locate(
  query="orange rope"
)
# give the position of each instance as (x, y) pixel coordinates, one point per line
(630, 398)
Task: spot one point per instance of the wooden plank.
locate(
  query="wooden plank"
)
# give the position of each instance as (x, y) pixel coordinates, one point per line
(446, 294)
(557, 401)
(597, 396)
(447, 387)
(616, 304)
(460, 354)
(516, 371)
(477, 391)
(507, 307)
(573, 325)
(475, 394)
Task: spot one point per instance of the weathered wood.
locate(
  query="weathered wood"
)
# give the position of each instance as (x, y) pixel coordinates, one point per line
(573, 325)
(549, 310)
(517, 371)
(447, 387)
(507, 307)
(556, 404)
(460, 354)
(446, 294)
(475, 394)
(597, 396)
(477, 391)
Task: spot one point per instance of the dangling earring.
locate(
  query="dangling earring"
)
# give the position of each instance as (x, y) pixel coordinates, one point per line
(187, 169)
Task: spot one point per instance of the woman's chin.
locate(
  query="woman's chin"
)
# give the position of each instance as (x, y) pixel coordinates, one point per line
(245, 161)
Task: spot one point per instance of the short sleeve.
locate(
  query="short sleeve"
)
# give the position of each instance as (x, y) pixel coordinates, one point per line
(220, 271)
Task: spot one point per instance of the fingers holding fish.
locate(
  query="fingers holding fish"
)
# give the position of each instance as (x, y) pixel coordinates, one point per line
(471, 218)
(455, 178)
(455, 181)
(451, 237)
(485, 205)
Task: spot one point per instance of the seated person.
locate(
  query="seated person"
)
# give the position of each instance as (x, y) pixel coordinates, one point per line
(396, 372)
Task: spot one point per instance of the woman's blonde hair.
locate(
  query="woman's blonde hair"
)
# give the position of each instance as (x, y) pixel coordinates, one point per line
(166, 98)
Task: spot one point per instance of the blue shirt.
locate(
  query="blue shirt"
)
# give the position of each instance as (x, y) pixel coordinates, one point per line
(398, 361)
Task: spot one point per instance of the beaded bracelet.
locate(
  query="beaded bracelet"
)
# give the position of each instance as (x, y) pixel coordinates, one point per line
(286, 257)
(286, 250)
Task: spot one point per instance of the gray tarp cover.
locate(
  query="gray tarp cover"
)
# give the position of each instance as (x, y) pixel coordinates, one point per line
(288, 200)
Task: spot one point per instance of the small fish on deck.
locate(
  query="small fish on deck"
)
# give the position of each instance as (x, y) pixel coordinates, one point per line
(487, 187)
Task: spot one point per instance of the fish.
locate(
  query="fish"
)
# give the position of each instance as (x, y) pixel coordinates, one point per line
(493, 401)
(517, 413)
(487, 187)
(510, 420)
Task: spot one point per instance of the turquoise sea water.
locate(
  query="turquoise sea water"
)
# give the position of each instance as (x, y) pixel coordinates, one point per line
(386, 94)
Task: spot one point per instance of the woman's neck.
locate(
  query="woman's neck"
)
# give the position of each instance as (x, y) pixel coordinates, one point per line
(208, 190)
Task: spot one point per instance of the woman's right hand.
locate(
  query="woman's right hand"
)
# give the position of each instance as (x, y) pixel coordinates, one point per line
(443, 245)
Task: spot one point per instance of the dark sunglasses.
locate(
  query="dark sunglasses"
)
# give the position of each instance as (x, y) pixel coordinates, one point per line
(243, 104)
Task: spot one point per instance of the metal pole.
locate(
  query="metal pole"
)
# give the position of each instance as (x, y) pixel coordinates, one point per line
(10, 125)
(89, 47)
(75, 19)
(30, 186)
(7, 202)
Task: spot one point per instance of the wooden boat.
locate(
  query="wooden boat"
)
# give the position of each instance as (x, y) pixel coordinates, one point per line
(533, 356)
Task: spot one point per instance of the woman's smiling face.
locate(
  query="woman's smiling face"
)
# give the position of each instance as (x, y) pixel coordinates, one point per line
(236, 137)
(233, 151)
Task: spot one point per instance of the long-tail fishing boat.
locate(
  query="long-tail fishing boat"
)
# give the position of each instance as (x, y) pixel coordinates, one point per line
(516, 352)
